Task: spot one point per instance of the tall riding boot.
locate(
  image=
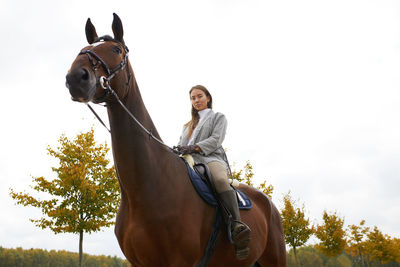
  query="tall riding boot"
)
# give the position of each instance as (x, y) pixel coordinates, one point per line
(240, 231)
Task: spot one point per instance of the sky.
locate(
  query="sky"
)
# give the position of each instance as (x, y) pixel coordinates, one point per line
(310, 89)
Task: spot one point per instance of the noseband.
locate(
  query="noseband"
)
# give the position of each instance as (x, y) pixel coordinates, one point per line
(111, 73)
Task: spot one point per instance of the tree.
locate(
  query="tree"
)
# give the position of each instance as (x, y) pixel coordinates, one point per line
(85, 194)
(382, 247)
(38, 257)
(356, 246)
(246, 175)
(331, 235)
(296, 227)
(306, 255)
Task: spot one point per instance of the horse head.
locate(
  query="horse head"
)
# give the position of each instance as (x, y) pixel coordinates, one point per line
(99, 66)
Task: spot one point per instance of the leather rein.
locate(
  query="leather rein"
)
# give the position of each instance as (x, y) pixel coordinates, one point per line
(105, 84)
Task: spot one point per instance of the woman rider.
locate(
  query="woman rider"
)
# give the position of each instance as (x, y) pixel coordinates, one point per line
(202, 137)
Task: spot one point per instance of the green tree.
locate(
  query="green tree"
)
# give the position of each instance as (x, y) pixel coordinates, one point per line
(246, 175)
(340, 261)
(296, 227)
(38, 258)
(85, 194)
(306, 256)
(331, 234)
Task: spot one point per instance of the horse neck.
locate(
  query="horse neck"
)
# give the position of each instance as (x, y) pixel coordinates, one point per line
(137, 157)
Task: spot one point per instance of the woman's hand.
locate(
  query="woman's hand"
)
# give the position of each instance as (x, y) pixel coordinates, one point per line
(189, 149)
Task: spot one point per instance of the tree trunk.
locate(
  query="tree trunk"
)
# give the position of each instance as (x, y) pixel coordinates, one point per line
(362, 261)
(80, 247)
(296, 261)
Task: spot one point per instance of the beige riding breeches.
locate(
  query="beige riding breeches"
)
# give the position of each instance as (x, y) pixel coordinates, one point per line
(219, 176)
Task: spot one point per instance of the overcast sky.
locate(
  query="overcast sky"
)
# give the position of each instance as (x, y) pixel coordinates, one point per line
(310, 90)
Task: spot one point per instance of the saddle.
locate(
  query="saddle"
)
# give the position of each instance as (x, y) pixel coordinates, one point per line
(204, 172)
(201, 179)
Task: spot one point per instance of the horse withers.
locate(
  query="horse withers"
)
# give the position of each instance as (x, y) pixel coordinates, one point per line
(161, 220)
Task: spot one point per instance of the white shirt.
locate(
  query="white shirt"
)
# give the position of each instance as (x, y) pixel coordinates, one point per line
(202, 114)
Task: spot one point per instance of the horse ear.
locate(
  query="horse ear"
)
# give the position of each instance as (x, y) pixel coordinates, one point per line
(117, 29)
(90, 30)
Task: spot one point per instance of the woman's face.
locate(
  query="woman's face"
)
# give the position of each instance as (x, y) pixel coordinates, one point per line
(199, 99)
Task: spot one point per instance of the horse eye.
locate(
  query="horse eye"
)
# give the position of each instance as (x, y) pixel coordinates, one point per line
(117, 50)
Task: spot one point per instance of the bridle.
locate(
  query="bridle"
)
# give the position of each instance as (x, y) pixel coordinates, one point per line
(111, 73)
(105, 83)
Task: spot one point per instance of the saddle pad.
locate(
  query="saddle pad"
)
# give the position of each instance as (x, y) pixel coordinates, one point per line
(206, 194)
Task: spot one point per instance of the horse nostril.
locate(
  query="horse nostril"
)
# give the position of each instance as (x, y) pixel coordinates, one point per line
(84, 74)
(78, 76)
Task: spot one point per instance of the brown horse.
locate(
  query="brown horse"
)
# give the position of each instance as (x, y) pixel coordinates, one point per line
(161, 221)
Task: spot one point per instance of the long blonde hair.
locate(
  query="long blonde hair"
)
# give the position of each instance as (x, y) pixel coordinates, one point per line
(195, 114)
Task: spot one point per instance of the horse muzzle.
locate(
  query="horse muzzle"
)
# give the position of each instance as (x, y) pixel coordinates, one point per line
(81, 83)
